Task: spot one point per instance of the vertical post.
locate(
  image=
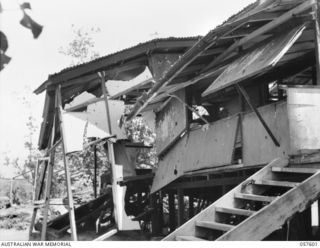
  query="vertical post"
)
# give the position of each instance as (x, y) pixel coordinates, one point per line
(172, 212)
(160, 212)
(117, 209)
(316, 9)
(95, 171)
(47, 196)
(66, 167)
(38, 192)
(191, 207)
(154, 215)
(35, 181)
(180, 207)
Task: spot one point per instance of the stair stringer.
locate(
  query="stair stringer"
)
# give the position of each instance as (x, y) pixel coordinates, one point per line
(208, 214)
(273, 216)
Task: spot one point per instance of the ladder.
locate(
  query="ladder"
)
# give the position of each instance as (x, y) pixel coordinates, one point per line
(257, 207)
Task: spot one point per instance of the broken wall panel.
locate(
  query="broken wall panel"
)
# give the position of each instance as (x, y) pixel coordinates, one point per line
(198, 149)
(92, 124)
(171, 122)
(258, 147)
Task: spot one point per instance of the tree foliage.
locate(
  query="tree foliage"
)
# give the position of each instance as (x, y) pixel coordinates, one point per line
(81, 48)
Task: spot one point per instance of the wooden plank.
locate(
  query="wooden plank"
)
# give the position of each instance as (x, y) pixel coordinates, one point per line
(296, 170)
(277, 213)
(236, 211)
(188, 238)
(252, 197)
(276, 183)
(198, 149)
(264, 29)
(214, 225)
(106, 235)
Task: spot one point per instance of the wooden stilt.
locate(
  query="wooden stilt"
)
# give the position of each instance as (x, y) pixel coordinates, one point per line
(38, 192)
(111, 156)
(160, 212)
(66, 167)
(154, 215)
(191, 207)
(180, 207)
(95, 171)
(47, 197)
(172, 212)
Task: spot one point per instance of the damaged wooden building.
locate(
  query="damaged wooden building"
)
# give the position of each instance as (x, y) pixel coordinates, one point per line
(236, 115)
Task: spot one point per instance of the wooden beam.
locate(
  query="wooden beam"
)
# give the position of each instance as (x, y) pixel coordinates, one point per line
(264, 29)
(207, 183)
(242, 92)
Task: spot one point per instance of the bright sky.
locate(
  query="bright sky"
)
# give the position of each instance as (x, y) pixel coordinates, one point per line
(123, 23)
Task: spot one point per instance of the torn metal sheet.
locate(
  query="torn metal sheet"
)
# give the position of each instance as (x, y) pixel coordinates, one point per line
(92, 123)
(258, 60)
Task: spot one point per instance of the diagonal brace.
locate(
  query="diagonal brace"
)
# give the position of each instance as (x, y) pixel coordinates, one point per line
(242, 92)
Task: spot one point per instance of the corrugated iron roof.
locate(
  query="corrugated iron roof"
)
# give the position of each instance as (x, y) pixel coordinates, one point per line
(127, 49)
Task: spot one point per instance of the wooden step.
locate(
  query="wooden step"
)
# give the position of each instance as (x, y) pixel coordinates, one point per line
(295, 170)
(252, 197)
(189, 238)
(214, 225)
(236, 211)
(277, 183)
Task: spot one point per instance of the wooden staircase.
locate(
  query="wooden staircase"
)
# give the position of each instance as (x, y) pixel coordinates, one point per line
(257, 207)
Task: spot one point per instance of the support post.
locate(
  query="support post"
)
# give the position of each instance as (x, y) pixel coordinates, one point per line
(111, 156)
(191, 207)
(316, 9)
(172, 212)
(95, 171)
(242, 91)
(160, 213)
(180, 207)
(37, 197)
(154, 215)
(47, 197)
(66, 167)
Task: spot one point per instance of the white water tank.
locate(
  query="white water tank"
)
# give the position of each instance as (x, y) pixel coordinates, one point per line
(304, 119)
